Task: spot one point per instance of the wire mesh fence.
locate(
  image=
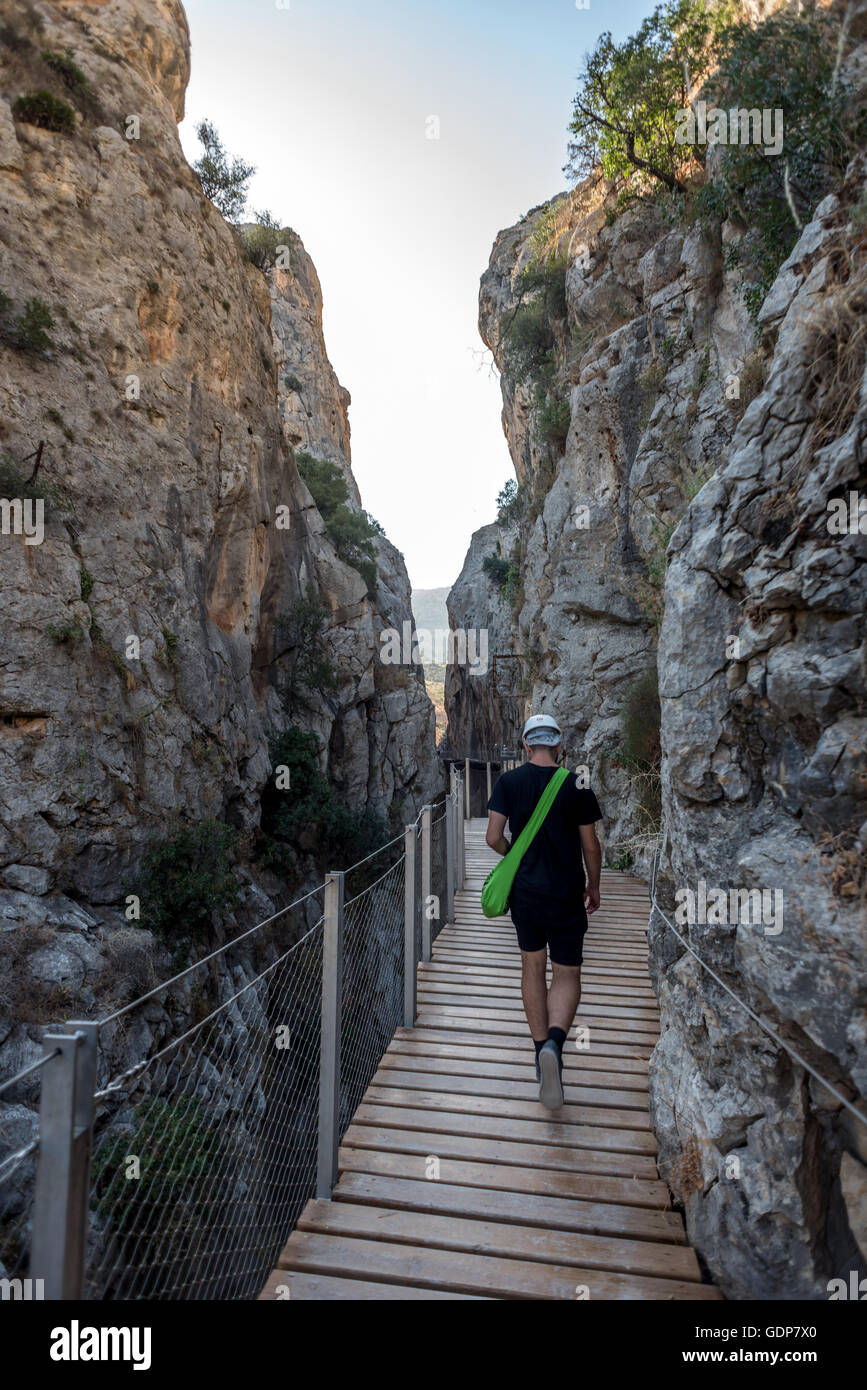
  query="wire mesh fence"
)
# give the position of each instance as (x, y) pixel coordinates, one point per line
(204, 1158)
(419, 905)
(19, 1144)
(207, 1146)
(439, 867)
(372, 986)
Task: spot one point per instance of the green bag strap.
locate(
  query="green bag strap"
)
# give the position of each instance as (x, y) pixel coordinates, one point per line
(543, 806)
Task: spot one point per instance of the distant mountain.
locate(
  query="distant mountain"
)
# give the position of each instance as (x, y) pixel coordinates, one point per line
(429, 608)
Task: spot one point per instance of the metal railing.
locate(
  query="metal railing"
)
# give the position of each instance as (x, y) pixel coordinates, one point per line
(478, 775)
(181, 1174)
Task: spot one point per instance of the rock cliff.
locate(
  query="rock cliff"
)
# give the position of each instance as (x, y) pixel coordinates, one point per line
(675, 472)
(764, 743)
(148, 649)
(483, 706)
(641, 329)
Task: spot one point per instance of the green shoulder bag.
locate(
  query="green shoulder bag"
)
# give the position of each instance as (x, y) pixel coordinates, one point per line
(498, 884)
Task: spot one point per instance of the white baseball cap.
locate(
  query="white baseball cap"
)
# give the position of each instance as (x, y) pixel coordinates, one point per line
(544, 727)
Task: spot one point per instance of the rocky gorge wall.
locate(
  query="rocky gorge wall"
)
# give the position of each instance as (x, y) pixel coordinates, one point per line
(764, 743)
(675, 471)
(145, 659)
(648, 331)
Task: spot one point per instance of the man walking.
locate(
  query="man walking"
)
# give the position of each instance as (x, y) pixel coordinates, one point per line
(550, 899)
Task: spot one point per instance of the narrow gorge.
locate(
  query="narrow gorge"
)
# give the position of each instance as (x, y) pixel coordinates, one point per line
(677, 572)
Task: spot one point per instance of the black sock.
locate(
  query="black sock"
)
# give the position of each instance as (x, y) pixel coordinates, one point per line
(557, 1036)
(538, 1046)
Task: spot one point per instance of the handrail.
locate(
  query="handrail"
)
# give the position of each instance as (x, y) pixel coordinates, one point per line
(234, 1188)
(781, 1042)
(211, 956)
(116, 1083)
(34, 1066)
(235, 940)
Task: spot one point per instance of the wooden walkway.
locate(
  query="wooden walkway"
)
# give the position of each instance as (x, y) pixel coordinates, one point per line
(455, 1182)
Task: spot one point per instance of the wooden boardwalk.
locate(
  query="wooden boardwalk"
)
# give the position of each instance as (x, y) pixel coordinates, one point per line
(455, 1182)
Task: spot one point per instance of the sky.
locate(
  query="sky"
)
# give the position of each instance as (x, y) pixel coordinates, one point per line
(332, 101)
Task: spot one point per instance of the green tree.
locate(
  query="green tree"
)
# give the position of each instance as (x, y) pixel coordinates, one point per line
(187, 875)
(224, 180)
(303, 627)
(790, 63)
(44, 109)
(352, 533)
(306, 816)
(624, 116)
(262, 238)
(65, 66)
(496, 568)
(511, 504)
(30, 329)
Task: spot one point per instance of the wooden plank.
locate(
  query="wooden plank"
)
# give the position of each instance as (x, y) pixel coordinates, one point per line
(296, 1287)
(471, 1273)
(494, 977)
(508, 1126)
(630, 1192)
(436, 993)
(518, 1208)
(475, 1085)
(526, 1151)
(509, 1045)
(472, 979)
(469, 955)
(436, 1230)
(401, 1061)
(618, 1031)
(452, 1101)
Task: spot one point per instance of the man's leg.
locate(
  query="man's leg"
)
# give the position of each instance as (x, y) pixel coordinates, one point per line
(564, 996)
(534, 994)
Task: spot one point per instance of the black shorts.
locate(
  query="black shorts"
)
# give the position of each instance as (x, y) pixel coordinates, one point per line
(541, 922)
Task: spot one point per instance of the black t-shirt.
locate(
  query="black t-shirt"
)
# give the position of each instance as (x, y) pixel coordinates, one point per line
(553, 866)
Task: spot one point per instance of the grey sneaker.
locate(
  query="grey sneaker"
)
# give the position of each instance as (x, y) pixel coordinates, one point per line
(550, 1067)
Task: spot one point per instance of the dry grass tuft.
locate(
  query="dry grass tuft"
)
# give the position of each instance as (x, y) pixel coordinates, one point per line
(839, 355)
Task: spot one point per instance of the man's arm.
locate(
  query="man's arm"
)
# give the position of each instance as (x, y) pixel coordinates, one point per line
(592, 851)
(494, 835)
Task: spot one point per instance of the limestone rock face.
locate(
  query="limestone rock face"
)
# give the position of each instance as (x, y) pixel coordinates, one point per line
(650, 329)
(145, 655)
(484, 703)
(375, 759)
(313, 405)
(678, 514)
(762, 663)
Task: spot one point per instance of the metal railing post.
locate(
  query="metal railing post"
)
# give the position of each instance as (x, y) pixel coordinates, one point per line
(62, 1191)
(426, 821)
(451, 849)
(409, 961)
(467, 788)
(488, 770)
(329, 1047)
(461, 843)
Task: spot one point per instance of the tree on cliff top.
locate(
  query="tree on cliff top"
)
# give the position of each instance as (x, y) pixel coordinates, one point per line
(624, 116)
(224, 180)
